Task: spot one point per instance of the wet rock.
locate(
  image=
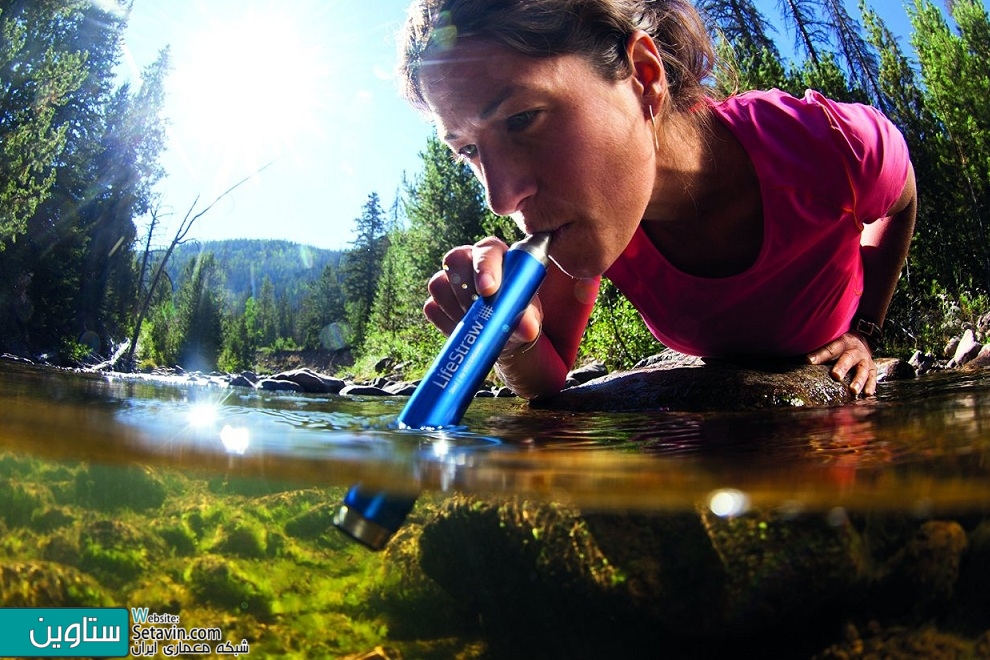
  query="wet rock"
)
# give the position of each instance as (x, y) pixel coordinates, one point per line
(889, 369)
(712, 385)
(966, 349)
(923, 363)
(981, 361)
(401, 388)
(363, 390)
(587, 372)
(279, 385)
(48, 584)
(241, 380)
(311, 382)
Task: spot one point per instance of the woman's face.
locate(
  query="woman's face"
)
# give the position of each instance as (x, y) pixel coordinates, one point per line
(556, 147)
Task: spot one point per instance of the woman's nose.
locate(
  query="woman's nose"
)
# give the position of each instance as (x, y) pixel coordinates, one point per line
(508, 182)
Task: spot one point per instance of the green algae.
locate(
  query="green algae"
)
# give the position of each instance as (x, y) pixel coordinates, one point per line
(259, 560)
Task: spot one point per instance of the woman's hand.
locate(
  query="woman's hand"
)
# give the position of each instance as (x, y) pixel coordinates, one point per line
(470, 271)
(851, 354)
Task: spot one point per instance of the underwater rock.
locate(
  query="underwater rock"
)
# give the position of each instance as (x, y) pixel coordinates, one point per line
(527, 567)
(974, 580)
(116, 552)
(900, 643)
(523, 567)
(48, 584)
(214, 580)
(313, 523)
(712, 385)
(243, 537)
(924, 574)
(19, 501)
(112, 487)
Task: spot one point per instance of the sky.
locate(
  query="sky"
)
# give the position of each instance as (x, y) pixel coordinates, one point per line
(305, 85)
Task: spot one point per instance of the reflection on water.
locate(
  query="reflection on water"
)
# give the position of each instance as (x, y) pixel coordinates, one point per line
(115, 477)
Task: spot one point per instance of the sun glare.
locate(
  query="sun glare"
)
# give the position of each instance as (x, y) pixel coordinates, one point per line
(247, 88)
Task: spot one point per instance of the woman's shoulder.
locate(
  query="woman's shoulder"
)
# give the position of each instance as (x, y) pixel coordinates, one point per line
(813, 114)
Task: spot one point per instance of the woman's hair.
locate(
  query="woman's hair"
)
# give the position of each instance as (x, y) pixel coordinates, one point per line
(598, 30)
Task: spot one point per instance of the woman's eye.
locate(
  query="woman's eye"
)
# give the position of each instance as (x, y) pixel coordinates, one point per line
(468, 151)
(521, 121)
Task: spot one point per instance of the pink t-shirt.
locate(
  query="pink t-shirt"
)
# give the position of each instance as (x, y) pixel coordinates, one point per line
(825, 169)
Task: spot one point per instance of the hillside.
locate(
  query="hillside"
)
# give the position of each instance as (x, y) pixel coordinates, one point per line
(246, 262)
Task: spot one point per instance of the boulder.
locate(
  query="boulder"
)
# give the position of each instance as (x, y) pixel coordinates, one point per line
(311, 381)
(705, 385)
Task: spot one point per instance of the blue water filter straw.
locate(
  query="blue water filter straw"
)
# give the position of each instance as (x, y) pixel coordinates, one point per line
(373, 516)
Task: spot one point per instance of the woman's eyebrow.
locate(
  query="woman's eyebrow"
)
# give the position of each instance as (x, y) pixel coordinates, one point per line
(503, 95)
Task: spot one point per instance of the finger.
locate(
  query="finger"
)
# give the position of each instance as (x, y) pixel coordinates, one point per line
(530, 324)
(438, 317)
(871, 381)
(863, 380)
(443, 299)
(487, 255)
(827, 353)
(458, 269)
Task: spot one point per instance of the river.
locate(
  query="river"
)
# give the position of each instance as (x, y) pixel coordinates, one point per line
(214, 505)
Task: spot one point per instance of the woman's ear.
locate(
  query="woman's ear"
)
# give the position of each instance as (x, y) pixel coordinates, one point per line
(649, 76)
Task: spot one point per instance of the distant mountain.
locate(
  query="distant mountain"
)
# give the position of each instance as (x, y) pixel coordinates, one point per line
(246, 262)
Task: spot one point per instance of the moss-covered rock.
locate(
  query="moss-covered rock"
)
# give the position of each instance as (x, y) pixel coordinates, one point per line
(524, 568)
(312, 523)
(527, 567)
(48, 584)
(921, 578)
(217, 581)
(111, 487)
(243, 537)
(19, 501)
(116, 552)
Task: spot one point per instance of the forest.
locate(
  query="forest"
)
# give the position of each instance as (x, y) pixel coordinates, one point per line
(79, 166)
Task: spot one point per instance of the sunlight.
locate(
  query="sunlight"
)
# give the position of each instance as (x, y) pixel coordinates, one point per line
(247, 88)
(203, 415)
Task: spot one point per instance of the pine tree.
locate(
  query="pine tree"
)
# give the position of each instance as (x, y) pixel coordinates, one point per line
(361, 266)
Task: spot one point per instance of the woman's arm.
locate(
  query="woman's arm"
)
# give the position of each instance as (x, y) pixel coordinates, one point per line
(884, 245)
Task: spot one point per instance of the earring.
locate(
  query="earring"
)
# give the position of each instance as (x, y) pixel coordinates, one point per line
(653, 120)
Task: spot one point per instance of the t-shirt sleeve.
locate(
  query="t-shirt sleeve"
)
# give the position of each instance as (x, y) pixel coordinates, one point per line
(876, 155)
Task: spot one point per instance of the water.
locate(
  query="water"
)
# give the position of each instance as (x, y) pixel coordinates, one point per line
(214, 505)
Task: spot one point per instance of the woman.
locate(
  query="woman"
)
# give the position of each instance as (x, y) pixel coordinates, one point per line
(757, 226)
